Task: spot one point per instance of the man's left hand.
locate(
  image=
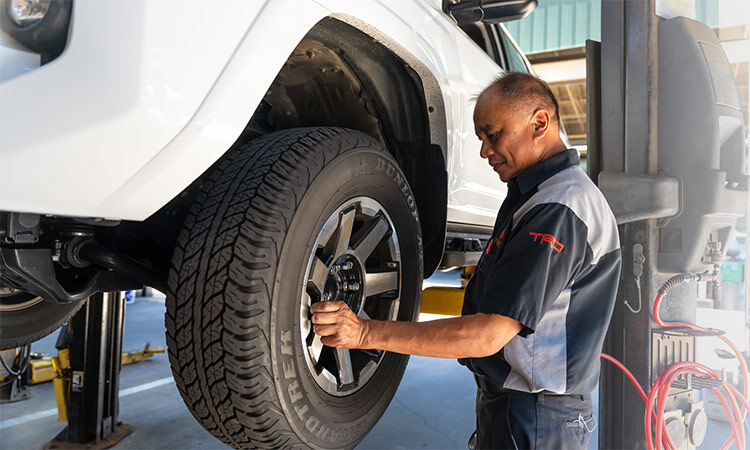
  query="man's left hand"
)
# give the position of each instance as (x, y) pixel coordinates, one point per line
(337, 325)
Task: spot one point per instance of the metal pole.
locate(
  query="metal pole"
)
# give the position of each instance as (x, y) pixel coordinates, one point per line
(629, 63)
(95, 359)
(593, 109)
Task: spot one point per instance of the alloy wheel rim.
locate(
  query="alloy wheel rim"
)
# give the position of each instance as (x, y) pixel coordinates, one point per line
(355, 259)
(16, 300)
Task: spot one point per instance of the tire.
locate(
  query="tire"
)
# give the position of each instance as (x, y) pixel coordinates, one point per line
(244, 272)
(25, 318)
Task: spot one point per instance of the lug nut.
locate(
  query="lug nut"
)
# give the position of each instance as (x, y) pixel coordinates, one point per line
(347, 265)
(353, 286)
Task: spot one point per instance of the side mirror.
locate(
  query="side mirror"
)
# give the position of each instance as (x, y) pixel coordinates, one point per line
(488, 11)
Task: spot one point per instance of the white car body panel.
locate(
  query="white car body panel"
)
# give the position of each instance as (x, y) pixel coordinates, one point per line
(15, 58)
(147, 95)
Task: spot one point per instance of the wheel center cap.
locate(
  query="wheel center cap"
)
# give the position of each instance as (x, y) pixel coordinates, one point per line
(344, 282)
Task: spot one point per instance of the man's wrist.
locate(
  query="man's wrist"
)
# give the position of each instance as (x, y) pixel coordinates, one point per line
(367, 340)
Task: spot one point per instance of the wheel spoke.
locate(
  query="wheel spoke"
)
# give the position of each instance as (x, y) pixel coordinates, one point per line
(316, 347)
(318, 274)
(378, 283)
(370, 239)
(345, 231)
(344, 363)
(363, 314)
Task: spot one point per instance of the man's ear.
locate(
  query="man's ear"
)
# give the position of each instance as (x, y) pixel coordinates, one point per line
(540, 122)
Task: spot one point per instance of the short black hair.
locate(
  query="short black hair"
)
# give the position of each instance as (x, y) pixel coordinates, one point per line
(524, 91)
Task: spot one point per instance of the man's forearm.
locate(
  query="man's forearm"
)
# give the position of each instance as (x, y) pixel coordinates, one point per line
(470, 336)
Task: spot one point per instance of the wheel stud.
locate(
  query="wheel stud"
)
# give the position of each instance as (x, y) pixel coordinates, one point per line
(353, 286)
(347, 265)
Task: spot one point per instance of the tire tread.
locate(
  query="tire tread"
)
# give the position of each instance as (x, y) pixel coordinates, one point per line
(223, 265)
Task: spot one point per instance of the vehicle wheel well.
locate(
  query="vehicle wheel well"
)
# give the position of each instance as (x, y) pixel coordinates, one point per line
(338, 76)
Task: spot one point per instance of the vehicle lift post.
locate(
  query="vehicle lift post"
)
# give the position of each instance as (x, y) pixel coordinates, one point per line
(665, 177)
(622, 124)
(622, 138)
(95, 344)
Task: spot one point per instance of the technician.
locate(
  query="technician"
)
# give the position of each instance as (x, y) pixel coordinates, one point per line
(537, 308)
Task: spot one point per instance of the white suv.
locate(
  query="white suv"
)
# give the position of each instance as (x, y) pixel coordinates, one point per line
(249, 158)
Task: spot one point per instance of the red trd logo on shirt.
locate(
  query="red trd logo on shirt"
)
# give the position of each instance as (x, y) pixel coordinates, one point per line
(553, 242)
(494, 242)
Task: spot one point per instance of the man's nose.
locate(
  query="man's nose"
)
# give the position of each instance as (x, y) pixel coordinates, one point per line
(486, 150)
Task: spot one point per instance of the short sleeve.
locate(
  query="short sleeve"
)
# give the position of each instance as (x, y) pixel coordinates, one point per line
(545, 250)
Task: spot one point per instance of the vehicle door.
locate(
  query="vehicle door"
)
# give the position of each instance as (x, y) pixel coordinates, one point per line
(475, 191)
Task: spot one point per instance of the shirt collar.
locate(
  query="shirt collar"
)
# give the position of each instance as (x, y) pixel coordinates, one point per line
(540, 172)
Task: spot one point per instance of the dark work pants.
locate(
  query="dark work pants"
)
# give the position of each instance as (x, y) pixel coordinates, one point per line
(519, 420)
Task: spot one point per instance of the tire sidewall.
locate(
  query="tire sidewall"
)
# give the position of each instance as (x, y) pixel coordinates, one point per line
(325, 420)
(33, 323)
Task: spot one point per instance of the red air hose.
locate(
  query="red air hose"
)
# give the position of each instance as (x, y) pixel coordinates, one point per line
(659, 391)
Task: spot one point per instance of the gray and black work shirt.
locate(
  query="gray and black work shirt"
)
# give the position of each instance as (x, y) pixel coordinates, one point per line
(552, 264)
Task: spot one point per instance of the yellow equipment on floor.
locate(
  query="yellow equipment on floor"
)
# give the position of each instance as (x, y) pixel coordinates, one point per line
(57, 369)
(446, 300)
(43, 369)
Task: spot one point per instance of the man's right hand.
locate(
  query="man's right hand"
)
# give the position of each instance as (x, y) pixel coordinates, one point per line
(337, 325)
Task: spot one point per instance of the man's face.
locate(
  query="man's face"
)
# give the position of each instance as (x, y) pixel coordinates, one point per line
(507, 137)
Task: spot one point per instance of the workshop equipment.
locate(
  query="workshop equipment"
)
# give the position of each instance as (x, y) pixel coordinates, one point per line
(14, 377)
(446, 300)
(670, 160)
(91, 356)
(43, 370)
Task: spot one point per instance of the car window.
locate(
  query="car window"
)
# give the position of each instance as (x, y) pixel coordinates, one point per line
(515, 60)
(486, 40)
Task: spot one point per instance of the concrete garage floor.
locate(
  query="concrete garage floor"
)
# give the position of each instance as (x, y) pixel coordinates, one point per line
(433, 408)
